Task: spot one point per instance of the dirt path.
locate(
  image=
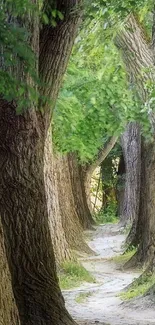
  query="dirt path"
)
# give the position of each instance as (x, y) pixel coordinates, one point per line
(102, 304)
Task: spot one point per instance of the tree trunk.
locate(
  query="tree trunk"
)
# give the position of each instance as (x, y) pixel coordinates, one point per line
(23, 202)
(120, 187)
(78, 187)
(25, 220)
(70, 220)
(107, 177)
(8, 310)
(146, 223)
(131, 145)
(87, 171)
(61, 246)
(138, 58)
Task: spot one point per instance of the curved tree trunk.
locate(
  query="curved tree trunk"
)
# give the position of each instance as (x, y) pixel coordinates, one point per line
(8, 310)
(70, 220)
(138, 57)
(25, 220)
(87, 171)
(23, 204)
(131, 145)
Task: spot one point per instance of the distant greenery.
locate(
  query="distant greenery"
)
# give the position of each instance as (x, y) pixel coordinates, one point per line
(139, 287)
(83, 296)
(108, 215)
(95, 101)
(73, 274)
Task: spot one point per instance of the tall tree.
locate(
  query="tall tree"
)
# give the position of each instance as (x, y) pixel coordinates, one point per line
(23, 202)
(131, 145)
(69, 212)
(139, 59)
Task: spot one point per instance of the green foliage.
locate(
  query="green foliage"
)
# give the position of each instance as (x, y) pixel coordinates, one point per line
(108, 215)
(125, 257)
(16, 54)
(73, 274)
(139, 287)
(95, 101)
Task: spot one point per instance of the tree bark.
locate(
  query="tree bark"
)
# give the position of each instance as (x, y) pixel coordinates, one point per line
(70, 219)
(138, 58)
(23, 202)
(60, 244)
(77, 176)
(131, 145)
(25, 220)
(145, 233)
(8, 309)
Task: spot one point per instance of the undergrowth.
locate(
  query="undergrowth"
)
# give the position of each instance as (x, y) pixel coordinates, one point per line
(139, 287)
(108, 215)
(73, 274)
(123, 258)
(82, 297)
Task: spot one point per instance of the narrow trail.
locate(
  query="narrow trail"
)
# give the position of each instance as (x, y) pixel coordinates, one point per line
(102, 305)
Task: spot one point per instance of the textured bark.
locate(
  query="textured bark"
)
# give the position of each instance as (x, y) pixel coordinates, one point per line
(77, 175)
(8, 310)
(146, 223)
(70, 219)
(25, 220)
(23, 203)
(60, 244)
(131, 145)
(138, 57)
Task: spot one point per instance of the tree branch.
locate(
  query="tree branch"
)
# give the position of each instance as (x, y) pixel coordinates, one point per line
(102, 155)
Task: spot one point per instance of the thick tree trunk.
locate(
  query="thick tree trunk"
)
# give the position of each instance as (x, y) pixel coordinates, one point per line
(60, 244)
(77, 176)
(138, 58)
(70, 219)
(8, 310)
(23, 204)
(146, 223)
(25, 220)
(131, 145)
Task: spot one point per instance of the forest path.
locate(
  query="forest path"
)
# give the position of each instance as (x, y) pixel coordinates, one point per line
(102, 305)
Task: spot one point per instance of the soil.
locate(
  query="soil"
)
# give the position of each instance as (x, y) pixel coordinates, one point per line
(103, 306)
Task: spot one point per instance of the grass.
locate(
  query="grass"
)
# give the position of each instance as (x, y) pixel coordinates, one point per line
(123, 258)
(73, 274)
(102, 218)
(82, 297)
(139, 287)
(108, 215)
